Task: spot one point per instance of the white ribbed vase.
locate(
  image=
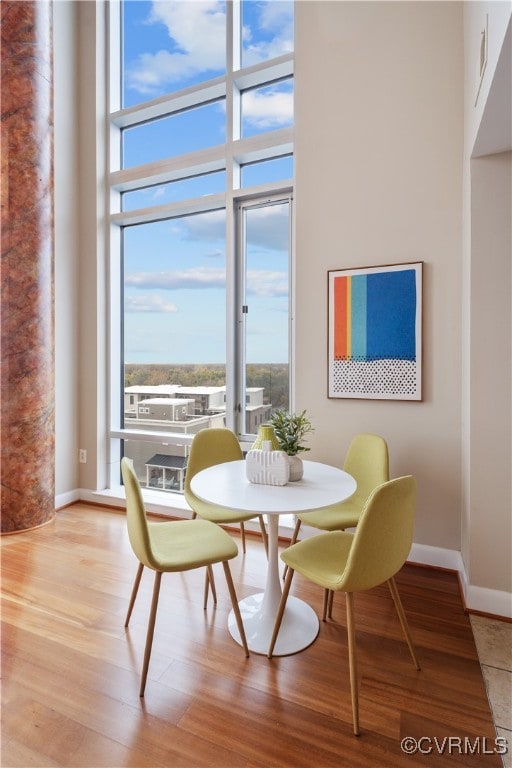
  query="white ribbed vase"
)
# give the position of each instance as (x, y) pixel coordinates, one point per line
(296, 467)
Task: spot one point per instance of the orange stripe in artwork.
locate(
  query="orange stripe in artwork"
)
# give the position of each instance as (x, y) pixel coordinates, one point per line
(340, 317)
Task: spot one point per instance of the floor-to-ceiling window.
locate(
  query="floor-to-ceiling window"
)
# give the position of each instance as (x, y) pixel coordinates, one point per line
(201, 206)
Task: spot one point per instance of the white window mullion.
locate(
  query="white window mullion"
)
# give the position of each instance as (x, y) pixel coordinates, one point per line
(225, 160)
(232, 182)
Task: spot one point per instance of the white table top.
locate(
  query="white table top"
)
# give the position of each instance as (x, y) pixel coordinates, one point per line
(226, 485)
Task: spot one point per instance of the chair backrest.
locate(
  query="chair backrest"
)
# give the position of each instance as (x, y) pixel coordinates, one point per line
(138, 530)
(383, 536)
(210, 446)
(367, 461)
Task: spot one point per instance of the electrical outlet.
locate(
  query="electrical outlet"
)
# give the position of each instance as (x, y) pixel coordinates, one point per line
(82, 456)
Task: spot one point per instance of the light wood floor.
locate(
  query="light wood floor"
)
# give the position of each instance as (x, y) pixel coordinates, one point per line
(71, 671)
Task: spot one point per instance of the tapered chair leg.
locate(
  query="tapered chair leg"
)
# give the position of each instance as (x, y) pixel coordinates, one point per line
(280, 611)
(206, 589)
(236, 607)
(352, 661)
(209, 581)
(293, 540)
(135, 589)
(151, 630)
(326, 604)
(264, 534)
(328, 601)
(403, 619)
(242, 531)
(331, 600)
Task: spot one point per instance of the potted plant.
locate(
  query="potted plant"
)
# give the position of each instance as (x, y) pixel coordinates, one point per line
(290, 430)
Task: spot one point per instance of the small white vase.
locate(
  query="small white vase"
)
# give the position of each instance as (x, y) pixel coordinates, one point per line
(267, 467)
(296, 467)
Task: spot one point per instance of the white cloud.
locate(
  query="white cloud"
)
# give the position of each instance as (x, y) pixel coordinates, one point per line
(197, 277)
(267, 284)
(275, 16)
(261, 283)
(267, 227)
(197, 31)
(208, 227)
(269, 108)
(149, 303)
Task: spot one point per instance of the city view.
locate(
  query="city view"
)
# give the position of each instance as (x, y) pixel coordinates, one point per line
(204, 200)
(182, 399)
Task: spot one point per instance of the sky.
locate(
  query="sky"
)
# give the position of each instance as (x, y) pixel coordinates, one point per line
(175, 289)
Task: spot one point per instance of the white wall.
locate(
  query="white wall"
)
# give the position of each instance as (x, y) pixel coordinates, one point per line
(489, 537)
(379, 131)
(66, 136)
(381, 177)
(485, 131)
(80, 247)
(93, 364)
(486, 539)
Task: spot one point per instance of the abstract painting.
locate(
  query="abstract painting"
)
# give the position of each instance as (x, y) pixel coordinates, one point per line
(374, 336)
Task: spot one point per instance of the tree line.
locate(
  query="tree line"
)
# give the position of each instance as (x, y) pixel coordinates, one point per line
(273, 377)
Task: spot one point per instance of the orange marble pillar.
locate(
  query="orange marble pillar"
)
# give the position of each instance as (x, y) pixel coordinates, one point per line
(27, 281)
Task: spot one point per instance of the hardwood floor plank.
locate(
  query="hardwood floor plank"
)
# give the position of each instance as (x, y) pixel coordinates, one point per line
(71, 671)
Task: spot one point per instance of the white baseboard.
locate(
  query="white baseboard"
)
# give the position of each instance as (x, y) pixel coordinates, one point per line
(157, 502)
(65, 499)
(480, 599)
(475, 598)
(437, 556)
(489, 601)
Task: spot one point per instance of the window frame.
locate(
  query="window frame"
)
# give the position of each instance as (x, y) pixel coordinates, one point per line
(242, 205)
(228, 157)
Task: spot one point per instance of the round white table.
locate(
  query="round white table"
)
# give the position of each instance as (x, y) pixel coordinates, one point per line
(226, 485)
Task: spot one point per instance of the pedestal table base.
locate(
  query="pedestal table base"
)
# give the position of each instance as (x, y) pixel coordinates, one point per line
(299, 628)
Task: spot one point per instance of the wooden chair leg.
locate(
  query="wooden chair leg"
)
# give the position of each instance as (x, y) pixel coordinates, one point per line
(326, 605)
(206, 589)
(352, 661)
(293, 540)
(403, 619)
(135, 589)
(242, 531)
(331, 600)
(264, 534)
(209, 581)
(151, 630)
(280, 611)
(236, 607)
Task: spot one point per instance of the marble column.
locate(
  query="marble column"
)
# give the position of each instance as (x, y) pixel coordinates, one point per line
(27, 281)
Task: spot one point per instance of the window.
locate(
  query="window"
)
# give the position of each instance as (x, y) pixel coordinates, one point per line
(267, 107)
(201, 155)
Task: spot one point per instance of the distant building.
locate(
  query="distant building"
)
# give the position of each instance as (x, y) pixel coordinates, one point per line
(135, 394)
(206, 399)
(186, 410)
(166, 409)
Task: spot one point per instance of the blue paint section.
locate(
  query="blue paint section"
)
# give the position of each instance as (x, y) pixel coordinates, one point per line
(391, 315)
(358, 325)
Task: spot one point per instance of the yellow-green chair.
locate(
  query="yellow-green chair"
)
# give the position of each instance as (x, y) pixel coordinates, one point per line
(367, 460)
(174, 546)
(353, 562)
(213, 446)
